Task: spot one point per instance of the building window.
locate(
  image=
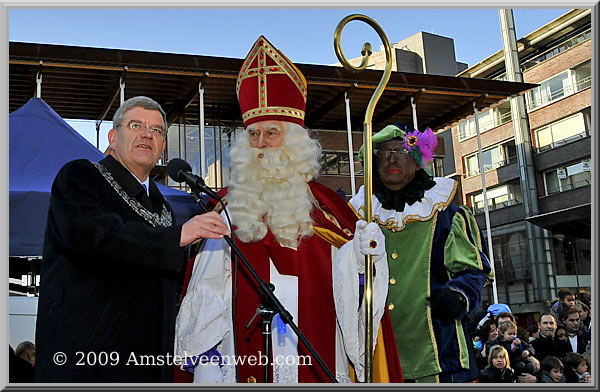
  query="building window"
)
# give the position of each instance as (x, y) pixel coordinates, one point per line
(183, 141)
(438, 167)
(467, 129)
(487, 120)
(510, 257)
(572, 256)
(550, 90)
(569, 177)
(471, 165)
(497, 156)
(561, 132)
(582, 76)
(561, 85)
(498, 197)
(338, 163)
(502, 114)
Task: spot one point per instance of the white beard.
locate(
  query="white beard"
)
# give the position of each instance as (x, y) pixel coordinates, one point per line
(272, 193)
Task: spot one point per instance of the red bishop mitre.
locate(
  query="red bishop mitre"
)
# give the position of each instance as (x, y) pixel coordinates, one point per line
(270, 87)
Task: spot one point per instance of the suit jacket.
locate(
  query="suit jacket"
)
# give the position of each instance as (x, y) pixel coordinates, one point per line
(582, 341)
(108, 279)
(550, 346)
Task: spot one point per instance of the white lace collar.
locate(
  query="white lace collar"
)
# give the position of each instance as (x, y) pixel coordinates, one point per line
(435, 199)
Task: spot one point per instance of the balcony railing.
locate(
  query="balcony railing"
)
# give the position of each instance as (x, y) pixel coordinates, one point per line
(492, 166)
(569, 89)
(564, 141)
(556, 50)
(493, 205)
(485, 126)
(568, 187)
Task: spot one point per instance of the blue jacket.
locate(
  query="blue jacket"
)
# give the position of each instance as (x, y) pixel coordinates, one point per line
(470, 282)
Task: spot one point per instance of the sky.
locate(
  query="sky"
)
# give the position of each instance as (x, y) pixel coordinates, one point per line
(303, 35)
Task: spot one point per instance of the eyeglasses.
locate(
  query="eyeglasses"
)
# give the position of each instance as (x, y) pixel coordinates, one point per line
(138, 127)
(400, 154)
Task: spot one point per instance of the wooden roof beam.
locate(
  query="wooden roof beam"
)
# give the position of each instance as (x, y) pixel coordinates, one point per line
(397, 107)
(109, 102)
(185, 102)
(461, 111)
(329, 105)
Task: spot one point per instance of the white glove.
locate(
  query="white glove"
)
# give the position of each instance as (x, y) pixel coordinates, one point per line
(368, 240)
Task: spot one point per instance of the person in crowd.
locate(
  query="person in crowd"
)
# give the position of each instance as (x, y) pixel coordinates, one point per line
(19, 370)
(527, 377)
(436, 281)
(492, 311)
(586, 298)
(518, 350)
(552, 370)
(288, 226)
(547, 343)
(523, 334)
(487, 332)
(576, 369)
(566, 298)
(534, 332)
(585, 316)
(26, 350)
(498, 369)
(475, 318)
(571, 320)
(561, 334)
(112, 252)
(588, 360)
(505, 316)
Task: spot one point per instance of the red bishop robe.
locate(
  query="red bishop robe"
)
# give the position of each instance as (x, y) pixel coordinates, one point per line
(311, 263)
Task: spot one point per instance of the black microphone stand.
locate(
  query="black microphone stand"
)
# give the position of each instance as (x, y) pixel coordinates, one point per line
(266, 312)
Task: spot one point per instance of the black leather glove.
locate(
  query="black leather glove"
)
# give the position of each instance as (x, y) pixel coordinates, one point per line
(446, 305)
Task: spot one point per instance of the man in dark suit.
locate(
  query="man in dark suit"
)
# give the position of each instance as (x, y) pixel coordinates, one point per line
(547, 344)
(112, 254)
(571, 320)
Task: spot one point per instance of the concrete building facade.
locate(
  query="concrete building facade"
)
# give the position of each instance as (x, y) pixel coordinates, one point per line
(559, 118)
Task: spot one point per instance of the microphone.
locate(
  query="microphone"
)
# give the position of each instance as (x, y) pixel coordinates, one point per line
(181, 171)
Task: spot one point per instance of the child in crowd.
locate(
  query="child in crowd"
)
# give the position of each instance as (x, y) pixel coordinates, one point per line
(588, 359)
(534, 332)
(552, 370)
(518, 351)
(565, 299)
(498, 369)
(576, 368)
